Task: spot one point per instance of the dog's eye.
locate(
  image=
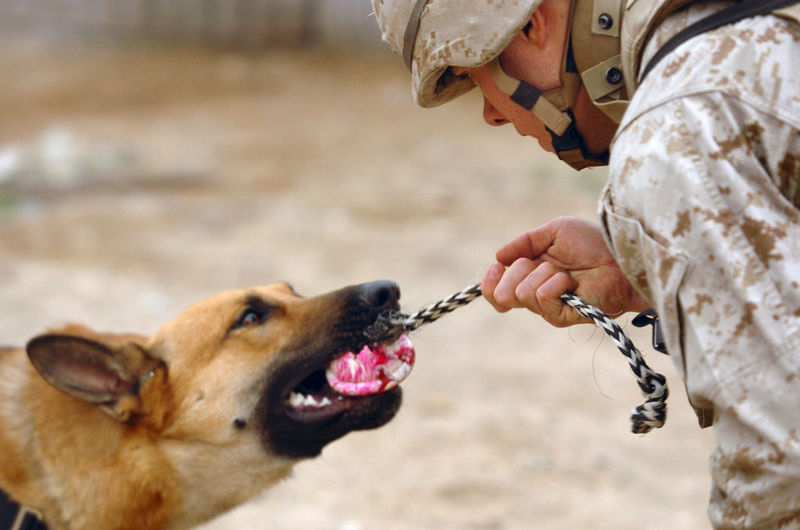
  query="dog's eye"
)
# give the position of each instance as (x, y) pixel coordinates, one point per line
(250, 317)
(255, 312)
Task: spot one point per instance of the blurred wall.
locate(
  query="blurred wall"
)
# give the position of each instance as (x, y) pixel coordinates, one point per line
(225, 23)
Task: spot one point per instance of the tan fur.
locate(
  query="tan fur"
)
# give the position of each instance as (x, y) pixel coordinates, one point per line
(165, 453)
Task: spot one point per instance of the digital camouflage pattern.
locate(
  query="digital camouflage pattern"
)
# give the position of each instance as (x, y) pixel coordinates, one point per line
(473, 38)
(701, 211)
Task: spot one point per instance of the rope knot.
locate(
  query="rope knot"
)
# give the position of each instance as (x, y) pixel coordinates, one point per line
(648, 416)
(652, 413)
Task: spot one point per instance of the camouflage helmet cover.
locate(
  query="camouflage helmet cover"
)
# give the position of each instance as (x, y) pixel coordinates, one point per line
(451, 33)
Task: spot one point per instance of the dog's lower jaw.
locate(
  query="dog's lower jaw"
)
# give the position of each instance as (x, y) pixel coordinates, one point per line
(289, 438)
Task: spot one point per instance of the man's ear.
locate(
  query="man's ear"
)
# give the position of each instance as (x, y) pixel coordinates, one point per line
(93, 371)
(535, 31)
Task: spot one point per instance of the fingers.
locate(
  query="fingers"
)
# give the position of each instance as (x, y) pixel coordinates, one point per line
(532, 284)
(540, 291)
(534, 269)
(505, 293)
(548, 296)
(489, 284)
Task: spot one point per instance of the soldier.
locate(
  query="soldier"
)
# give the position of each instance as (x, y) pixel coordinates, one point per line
(699, 218)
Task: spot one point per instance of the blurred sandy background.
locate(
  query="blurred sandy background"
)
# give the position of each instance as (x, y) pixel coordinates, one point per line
(138, 179)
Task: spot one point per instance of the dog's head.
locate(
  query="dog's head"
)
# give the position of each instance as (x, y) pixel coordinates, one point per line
(245, 368)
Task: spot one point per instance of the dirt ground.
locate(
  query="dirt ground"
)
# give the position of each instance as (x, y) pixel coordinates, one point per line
(136, 182)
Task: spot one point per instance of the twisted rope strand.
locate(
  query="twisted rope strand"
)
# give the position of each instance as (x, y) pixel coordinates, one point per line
(439, 309)
(647, 416)
(392, 324)
(652, 413)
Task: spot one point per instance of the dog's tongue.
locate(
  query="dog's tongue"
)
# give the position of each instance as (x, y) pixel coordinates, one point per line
(372, 371)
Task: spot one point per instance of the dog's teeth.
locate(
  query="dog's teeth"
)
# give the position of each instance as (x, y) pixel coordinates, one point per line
(296, 399)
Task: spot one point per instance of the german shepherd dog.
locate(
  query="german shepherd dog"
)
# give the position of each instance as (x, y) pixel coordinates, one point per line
(102, 431)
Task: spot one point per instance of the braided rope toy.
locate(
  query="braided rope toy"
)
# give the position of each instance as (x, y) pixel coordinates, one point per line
(648, 416)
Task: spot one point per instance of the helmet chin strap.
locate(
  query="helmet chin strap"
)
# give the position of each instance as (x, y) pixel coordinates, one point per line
(557, 118)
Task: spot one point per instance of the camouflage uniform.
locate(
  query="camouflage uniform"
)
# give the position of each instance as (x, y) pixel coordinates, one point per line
(701, 211)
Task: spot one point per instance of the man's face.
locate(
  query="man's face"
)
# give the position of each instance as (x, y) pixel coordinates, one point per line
(534, 56)
(537, 66)
(498, 109)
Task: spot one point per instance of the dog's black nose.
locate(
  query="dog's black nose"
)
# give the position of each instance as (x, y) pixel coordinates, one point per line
(380, 295)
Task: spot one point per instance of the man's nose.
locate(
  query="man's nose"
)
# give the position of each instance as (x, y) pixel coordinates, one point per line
(491, 115)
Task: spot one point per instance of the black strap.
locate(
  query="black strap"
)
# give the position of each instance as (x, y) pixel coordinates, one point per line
(526, 95)
(16, 517)
(572, 140)
(410, 35)
(734, 13)
(8, 511)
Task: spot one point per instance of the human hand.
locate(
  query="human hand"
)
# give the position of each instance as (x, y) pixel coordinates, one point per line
(565, 254)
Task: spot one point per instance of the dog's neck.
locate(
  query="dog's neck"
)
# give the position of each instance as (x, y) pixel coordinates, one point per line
(17, 431)
(18, 495)
(29, 406)
(14, 372)
(201, 485)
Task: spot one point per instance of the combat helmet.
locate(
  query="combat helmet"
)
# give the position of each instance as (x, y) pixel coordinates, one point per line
(434, 35)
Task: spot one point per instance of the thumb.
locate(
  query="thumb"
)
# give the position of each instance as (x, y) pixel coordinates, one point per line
(530, 244)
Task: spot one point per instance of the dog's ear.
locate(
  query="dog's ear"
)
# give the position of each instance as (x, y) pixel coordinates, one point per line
(100, 373)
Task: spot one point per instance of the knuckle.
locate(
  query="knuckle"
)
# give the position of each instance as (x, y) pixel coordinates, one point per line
(521, 264)
(504, 297)
(523, 292)
(548, 268)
